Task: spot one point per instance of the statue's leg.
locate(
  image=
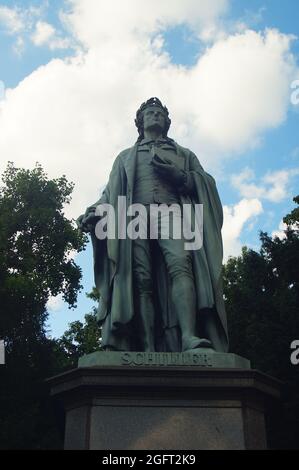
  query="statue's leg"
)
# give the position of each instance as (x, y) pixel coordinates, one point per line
(142, 273)
(179, 266)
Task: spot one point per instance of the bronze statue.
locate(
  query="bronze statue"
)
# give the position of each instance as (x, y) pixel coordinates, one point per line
(154, 294)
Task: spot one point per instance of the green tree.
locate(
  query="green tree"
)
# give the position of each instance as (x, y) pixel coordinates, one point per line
(36, 244)
(82, 338)
(262, 301)
(292, 219)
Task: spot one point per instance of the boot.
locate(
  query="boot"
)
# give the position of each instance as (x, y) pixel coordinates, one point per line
(184, 301)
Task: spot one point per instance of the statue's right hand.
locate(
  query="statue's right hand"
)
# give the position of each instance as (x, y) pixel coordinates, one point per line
(87, 221)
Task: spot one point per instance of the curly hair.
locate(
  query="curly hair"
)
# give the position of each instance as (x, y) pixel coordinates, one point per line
(139, 117)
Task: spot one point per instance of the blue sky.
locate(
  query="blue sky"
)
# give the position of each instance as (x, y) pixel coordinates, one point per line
(264, 176)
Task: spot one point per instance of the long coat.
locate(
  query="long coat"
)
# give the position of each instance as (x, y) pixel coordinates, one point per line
(113, 264)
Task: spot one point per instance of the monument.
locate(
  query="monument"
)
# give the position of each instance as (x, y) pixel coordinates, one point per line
(164, 378)
(155, 294)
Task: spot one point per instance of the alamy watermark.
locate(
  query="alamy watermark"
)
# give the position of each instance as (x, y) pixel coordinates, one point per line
(295, 93)
(165, 221)
(2, 352)
(295, 354)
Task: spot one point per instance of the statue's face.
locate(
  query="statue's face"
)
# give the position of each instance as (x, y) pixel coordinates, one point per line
(154, 117)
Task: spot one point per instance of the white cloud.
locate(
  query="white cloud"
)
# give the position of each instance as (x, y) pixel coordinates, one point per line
(54, 304)
(95, 23)
(274, 186)
(43, 33)
(235, 218)
(75, 115)
(280, 184)
(60, 43)
(241, 89)
(46, 35)
(12, 19)
(280, 233)
(28, 21)
(17, 20)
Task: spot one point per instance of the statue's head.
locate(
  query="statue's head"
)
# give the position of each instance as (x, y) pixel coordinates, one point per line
(151, 103)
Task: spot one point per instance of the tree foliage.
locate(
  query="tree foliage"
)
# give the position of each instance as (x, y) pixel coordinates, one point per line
(82, 338)
(262, 302)
(36, 244)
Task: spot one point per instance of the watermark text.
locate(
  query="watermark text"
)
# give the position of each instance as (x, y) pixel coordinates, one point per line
(152, 222)
(295, 354)
(2, 352)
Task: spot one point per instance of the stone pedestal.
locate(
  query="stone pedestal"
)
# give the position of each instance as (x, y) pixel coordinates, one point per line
(154, 406)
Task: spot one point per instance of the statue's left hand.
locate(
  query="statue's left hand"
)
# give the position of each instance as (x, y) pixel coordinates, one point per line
(169, 171)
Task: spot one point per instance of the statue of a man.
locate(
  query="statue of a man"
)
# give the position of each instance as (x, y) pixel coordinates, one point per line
(154, 294)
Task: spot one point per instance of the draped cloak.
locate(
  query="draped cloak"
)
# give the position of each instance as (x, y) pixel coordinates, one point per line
(113, 264)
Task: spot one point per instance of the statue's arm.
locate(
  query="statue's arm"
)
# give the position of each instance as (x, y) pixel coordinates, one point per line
(187, 185)
(181, 179)
(192, 170)
(185, 181)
